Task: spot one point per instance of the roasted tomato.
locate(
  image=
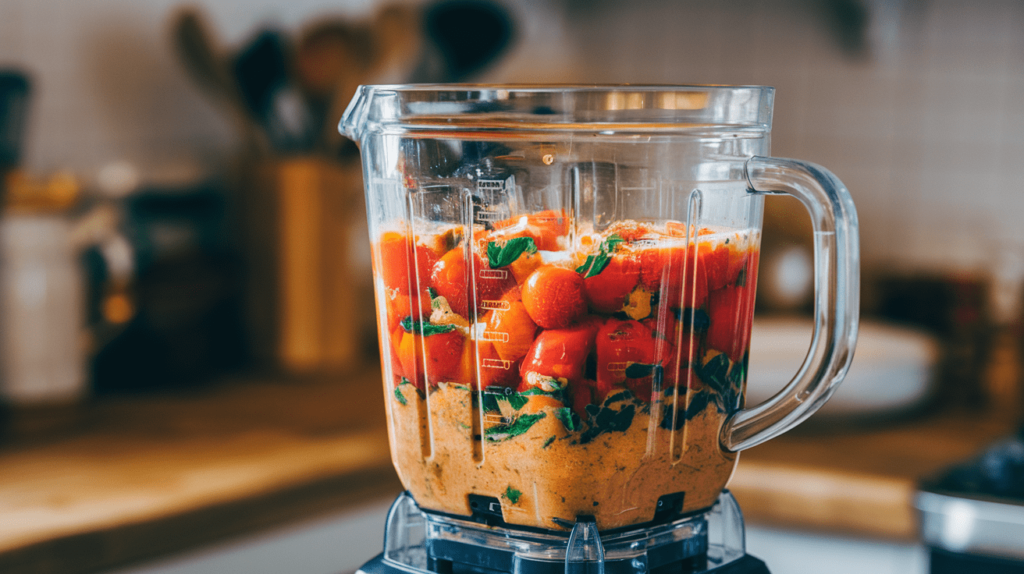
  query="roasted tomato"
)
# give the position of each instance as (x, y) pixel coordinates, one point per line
(398, 257)
(560, 353)
(607, 291)
(553, 297)
(510, 328)
(451, 280)
(731, 313)
(619, 345)
(545, 227)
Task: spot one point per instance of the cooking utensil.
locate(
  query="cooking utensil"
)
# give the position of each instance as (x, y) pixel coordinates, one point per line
(14, 96)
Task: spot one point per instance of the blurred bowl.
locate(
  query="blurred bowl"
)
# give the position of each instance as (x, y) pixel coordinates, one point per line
(893, 367)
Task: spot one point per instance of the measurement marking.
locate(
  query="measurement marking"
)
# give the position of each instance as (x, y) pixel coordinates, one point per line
(491, 184)
(487, 216)
(496, 364)
(496, 305)
(500, 274)
(617, 367)
(495, 336)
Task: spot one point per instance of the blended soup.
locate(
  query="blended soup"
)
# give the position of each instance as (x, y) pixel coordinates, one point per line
(564, 374)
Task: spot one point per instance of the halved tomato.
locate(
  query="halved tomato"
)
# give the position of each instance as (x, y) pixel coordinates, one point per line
(561, 353)
(621, 344)
(607, 291)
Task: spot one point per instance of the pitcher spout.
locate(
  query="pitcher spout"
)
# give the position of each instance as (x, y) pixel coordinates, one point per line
(353, 121)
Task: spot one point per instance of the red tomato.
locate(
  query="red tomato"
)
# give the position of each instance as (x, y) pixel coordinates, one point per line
(399, 307)
(450, 278)
(680, 280)
(629, 230)
(441, 353)
(510, 328)
(607, 291)
(716, 263)
(553, 296)
(731, 311)
(396, 258)
(561, 353)
(619, 345)
(583, 395)
(671, 354)
(495, 371)
(545, 227)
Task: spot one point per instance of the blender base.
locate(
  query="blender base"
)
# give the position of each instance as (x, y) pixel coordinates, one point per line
(424, 542)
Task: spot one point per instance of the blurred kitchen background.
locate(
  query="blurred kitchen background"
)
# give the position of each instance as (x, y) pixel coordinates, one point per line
(183, 249)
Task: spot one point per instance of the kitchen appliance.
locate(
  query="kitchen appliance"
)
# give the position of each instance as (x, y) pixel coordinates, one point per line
(564, 283)
(972, 515)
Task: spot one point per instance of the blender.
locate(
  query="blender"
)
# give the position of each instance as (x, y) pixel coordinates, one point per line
(564, 281)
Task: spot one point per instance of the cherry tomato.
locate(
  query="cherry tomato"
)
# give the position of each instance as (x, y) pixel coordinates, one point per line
(553, 296)
(441, 353)
(561, 353)
(495, 371)
(544, 227)
(451, 280)
(674, 351)
(583, 395)
(619, 345)
(399, 307)
(389, 342)
(731, 311)
(606, 292)
(510, 328)
(526, 264)
(716, 263)
(396, 257)
(679, 280)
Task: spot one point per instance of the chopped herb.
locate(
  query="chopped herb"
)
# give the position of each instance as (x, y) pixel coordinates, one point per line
(548, 442)
(620, 396)
(501, 432)
(609, 420)
(595, 264)
(494, 394)
(727, 241)
(697, 319)
(698, 402)
(400, 396)
(640, 370)
(432, 292)
(512, 495)
(741, 279)
(715, 372)
(570, 420)
(503, 255)
(426, 329)
(464, 426)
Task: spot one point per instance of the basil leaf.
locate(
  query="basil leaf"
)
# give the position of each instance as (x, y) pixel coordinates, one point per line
(595, 264)
(548, 442)
(697, 319)
(501, 432)
(504, 255)
(424, 328)
(639, 370)
(698, 402)
(620, 396)
(570, 420)
(512, 495)
(609, 420)
(400, 396)
(517, 401)
(715, 373)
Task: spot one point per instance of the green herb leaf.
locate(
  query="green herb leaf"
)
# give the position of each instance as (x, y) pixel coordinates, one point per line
(494, 394)
(570, 420)
(426, 329)
(696, 319)
(715, 373)
(503, 255)
(620, 396)
(548, 442)
(512, 495)
(432, 292)
(595, 264)
(609, 420)
(400, 396)
(501, 432)
(698, 402)
(640, 370)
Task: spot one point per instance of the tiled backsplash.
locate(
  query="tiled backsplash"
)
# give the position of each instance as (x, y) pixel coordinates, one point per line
(926, 130)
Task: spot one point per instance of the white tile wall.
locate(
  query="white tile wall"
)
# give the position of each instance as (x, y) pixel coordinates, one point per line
(928, 132)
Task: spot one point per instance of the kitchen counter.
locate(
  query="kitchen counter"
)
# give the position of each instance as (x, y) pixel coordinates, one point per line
(136, 478)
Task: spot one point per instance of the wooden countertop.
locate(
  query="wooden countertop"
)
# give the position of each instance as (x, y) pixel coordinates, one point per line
(140, 477)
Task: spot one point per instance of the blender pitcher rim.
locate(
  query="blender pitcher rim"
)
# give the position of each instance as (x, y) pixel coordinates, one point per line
(695, 108)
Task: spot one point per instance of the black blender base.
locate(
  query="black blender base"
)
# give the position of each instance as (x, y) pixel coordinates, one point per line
(744, 565)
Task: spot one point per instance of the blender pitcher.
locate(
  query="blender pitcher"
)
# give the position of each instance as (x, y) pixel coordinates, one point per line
(565, 283)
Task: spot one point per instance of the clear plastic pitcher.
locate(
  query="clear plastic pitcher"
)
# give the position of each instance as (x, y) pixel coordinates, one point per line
(565, 283)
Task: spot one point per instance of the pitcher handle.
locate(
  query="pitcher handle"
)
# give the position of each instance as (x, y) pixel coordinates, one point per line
(836, 299)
